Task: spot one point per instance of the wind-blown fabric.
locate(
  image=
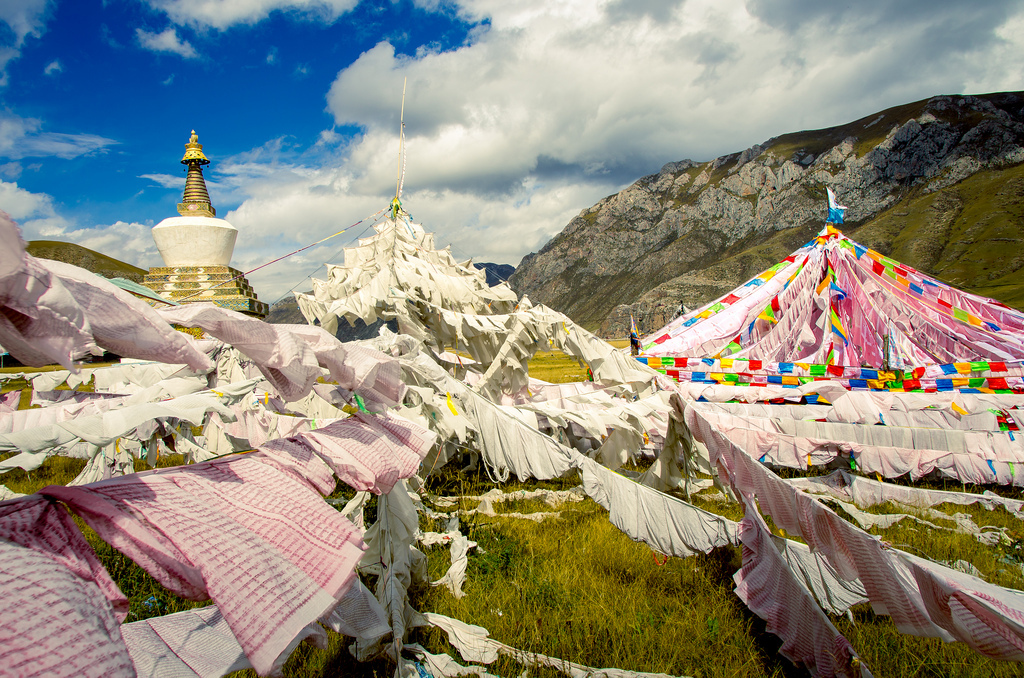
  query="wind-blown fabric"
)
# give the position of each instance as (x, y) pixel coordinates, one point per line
(123, 323)
(666, 524)
(203, 520)
(103, 428)
(891, 451)
(61, 609)
(190, 644)
(40, 321)
(291, 357)
(915, 598)
(865, 492)
(371, 453)
(190, 528)
(284, 359)
(507, 444)
(768, 588)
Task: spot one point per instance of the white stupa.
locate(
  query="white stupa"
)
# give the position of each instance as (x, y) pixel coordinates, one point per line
(196, 248)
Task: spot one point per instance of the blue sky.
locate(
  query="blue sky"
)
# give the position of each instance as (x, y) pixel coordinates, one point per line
(518, 114)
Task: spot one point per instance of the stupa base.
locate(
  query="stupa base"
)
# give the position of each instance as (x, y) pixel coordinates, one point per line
(208, 284)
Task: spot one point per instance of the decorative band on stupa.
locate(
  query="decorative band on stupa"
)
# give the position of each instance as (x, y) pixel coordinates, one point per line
(196, 248)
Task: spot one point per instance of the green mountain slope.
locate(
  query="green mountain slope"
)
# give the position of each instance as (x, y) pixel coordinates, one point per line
(70, 253)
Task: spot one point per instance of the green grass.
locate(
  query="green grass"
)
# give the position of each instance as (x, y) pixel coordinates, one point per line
(967, 235)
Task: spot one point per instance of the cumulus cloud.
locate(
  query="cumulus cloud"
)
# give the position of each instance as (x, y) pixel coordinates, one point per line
(165, 41)
(550, 106)
(22, 138)
(39, 219)
(579, 98)
(129, 242)
(35, 212)
(222, 14)
(52, 67)
(598, 88)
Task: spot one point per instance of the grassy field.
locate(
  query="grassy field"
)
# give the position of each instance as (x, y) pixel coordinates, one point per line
(574, 587)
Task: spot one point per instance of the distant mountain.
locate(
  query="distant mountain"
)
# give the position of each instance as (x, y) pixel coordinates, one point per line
(70, 253)
(286, 312)
(937, 184)
(496, 273)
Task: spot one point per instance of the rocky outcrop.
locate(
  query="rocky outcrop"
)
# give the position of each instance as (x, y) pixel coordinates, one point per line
(695, 230)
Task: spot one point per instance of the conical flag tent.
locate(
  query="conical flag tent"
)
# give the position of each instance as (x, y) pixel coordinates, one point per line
(836, 308)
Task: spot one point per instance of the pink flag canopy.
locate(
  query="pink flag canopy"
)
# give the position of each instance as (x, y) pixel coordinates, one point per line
(836, 302)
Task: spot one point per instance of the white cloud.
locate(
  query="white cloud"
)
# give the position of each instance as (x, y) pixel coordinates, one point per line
(592, 95)
(578, 86)
(166, 180)
(272, 55)
(34, 212)
(24, 18)
(222, 14)
(22, 138)
(53, 67)
(551, 106)
(39, 219)
(165, 41)
(131, 243)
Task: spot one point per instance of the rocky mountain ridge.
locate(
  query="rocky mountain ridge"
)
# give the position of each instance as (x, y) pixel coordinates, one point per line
(935, 183)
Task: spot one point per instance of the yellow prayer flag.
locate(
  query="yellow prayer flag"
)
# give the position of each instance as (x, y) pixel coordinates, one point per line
(451, 405)
(956, 408)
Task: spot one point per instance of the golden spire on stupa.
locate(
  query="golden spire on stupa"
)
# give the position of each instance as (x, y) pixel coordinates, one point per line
(196, 200)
